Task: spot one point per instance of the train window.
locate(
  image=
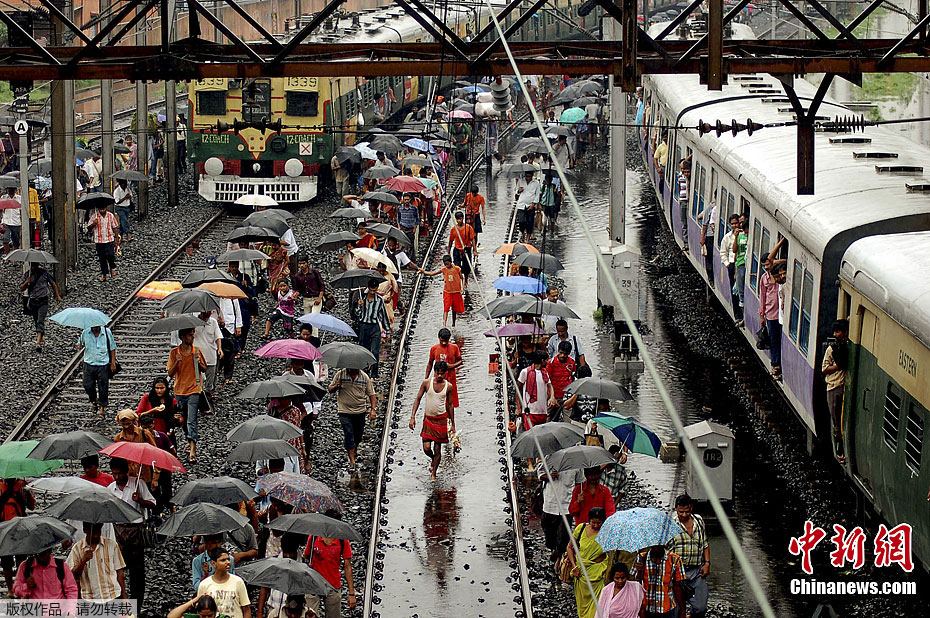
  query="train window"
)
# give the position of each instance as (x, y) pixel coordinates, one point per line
(754, 256)
(845, 304)
(807, 300)
(796, 276)
(722, 213)
(302, 104)
(256, 101)
(700, 183)
(891, 416)
(211, 103)
(913, 437)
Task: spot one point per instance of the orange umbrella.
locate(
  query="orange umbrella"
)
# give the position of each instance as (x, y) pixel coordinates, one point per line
(223, 290)
(515, 248)
(158, 290)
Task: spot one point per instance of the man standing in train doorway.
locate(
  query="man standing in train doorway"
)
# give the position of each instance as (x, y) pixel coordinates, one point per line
(835, 361)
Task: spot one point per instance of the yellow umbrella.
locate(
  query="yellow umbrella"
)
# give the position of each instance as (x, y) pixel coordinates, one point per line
(515, 248)
(373, 257)
(223, 290)
(158, 290)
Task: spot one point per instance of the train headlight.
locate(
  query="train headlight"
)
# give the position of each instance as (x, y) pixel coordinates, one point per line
(293, 168)
(213, 166)
(256, 167)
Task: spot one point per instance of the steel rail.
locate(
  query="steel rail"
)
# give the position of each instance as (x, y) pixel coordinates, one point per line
(65, 375)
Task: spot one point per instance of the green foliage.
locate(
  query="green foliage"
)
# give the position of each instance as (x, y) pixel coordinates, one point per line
(898, 86)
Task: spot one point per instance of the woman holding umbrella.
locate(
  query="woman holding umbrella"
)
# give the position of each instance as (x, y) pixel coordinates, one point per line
(130, 431)
(591, 556)
(284, 409)
(36, 286)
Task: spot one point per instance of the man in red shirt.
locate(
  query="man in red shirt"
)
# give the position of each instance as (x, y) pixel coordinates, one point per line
(589, 495)
(15, 499)
(91, 464)
(561, 370)
(331, 558)
(452, 355)
(475, 211)
(453, 285)
(462, 244)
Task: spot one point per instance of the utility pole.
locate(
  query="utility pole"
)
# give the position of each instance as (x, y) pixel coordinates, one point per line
(171, 108)
(106, 122)
(142, 125)
(63, 236)
(20, 108)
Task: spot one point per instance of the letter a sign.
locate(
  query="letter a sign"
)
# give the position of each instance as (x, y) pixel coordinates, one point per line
(21, 127)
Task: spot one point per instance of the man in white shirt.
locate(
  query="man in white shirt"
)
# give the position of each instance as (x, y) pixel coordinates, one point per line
(136, 494)
(708, 220)
(93, 167)
(12, 218)
(123, 196)
(209, 340)
(557, 495)
(528, 202)
(292, 248)
(727, 255)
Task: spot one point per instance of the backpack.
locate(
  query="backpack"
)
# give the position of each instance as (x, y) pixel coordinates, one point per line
(59, 571)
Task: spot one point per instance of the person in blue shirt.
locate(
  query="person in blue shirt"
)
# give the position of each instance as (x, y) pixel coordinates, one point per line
(202, 567)
(99, 364)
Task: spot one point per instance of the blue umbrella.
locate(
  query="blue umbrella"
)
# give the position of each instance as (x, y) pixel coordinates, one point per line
(327, 322)
(476, 89)
(81, 317)
(637, 528)
(631, 433)
(572, 115)
(520, 285)
(419, 144)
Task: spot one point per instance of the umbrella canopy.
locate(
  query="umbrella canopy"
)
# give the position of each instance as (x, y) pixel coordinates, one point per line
(288, 348)
(598, 388)
(129, 176)
(287, 215)
(404, 184)
(527, 145)
(221, 490)
(304, 493)
(337, 240)
(223, 289)
(347, 154)
(262, 448)
(383, 230)
(158, 290)
(389, 144)
(584, 101)
(284, 574)
(264, 426)
(242, 255)
(254, 200)
(202, 518)
(91, 201)
(373, 256)
(526, 285)
(355, 278)
(81, 317)
(85, 153)
(515, 248)
(264, 389)
(515, 329)
(381, 196)
(350, 213)
(637, 528)
(41, 167)
(15, 462)
(173, 323)
(519, 169)
(420, 161)
(557, 130)
(575, 457)
(460, 113)
(444, 143)
(206, 275)
(69, 445)
(511, 305)
(313, 390)
(572, 115)
(31, 256)
(32, 534)
(94, 507)
(144, 454)
(346, 355)
(315, 524)
(540, 261)
(631, 433)
(63, 485)
(8, 203)
(366, 151)
(381, 172)
(418, 144)
(328, 323)
(252, 233)
(269, 220)
(190, 301)
(552, 437)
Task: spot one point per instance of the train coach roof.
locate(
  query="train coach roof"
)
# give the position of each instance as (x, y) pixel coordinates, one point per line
(849, 191)
(891, 271)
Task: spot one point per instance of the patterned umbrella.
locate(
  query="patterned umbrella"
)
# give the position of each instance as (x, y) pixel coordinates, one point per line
(637, 528)
(631, 433)
(305, 494)
(419, 144)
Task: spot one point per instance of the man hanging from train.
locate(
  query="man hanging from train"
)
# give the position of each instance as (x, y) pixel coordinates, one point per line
(835, 361)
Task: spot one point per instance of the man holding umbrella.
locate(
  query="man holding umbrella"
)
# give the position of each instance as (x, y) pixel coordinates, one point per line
(356, 394)
(132, 491)
(105, 227)
(186, 364)
(37, 285)
(692, 546)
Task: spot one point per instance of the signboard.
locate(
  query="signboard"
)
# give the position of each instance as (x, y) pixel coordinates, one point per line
(305, 149)
(713, 458)
(21, 127)
(211, 84)
(301, 84)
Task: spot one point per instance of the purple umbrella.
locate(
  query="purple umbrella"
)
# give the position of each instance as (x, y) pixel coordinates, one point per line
(515, 329)
(288, 348)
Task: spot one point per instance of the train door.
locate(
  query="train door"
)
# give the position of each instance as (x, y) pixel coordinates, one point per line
(874, 427)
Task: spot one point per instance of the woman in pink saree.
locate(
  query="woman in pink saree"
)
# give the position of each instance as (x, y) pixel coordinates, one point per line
(621, 598)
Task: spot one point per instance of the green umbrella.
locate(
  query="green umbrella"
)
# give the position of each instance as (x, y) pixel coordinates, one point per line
(572, 115)
(631, 433)
(15, 462)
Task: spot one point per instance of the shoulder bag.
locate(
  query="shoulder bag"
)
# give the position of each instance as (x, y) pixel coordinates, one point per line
(581, 371)
(112, 371)
(563, 567)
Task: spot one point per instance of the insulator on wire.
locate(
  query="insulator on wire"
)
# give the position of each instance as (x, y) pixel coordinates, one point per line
(501, 93)
(847, 124)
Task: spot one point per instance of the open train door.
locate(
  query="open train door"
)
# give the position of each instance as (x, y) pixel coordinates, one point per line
(863, 407)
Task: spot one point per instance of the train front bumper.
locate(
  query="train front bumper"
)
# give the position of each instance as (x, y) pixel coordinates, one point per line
(282, 189)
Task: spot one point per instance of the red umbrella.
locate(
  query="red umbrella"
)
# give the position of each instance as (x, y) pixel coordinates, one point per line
(289, 348)
(404, 184)
(8, 203)
(144, 454)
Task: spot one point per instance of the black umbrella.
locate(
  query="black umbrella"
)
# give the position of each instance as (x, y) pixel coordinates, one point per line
(349, 213)
(69, 445)
(190, 301)
(85, 153)
(522, 303)
(32, 534)
(598, 388)
(510, 304)
(269, 220)
(202, 518)
(280, 212)
(91, 201)
(264, 426)
(519, 169)
(345, 355)
(388, 144)
(206, 275)
(381, 196)
(221, 490)
(421, 161)
(383, 230)
(584, 101)
(129, 175)
(270, 388)
(252, 233)
(288, 576)
(552, 437)
(121, 149)
(540, 261)
(347, 153)
(315, 524)
(575, 457)
(355, 278)
(95, 507)
(527, 144)
(31, 256)
(173, 323)
(42, 167)
(263, 448)
(337, 240)
(313, 390)
(381, 172)
(242, 255)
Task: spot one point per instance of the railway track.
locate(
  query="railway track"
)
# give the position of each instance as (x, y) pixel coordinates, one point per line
(141, 355)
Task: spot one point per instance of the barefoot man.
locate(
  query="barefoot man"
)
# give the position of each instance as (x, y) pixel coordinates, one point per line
(438, 415)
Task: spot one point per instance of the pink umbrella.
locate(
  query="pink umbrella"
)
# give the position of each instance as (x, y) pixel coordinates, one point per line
(459, 113)
(404, 184)
(144, 454)
(289, 348)
(8, 203)
(515, 329)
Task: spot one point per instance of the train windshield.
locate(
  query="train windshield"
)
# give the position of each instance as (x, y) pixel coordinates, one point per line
(256, 101)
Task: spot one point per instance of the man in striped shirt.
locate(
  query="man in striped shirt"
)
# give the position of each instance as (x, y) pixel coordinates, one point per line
(98, 566)
(372, 318)
(105, 228)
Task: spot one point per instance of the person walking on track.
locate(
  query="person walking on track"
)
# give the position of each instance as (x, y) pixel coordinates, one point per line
(450, 354)
(438, 415)
(461, 245)
(453, 286)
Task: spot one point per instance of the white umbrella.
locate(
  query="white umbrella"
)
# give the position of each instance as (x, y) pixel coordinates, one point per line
(63, 485)
(366, 151)
(254, 199)
(374, 257)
